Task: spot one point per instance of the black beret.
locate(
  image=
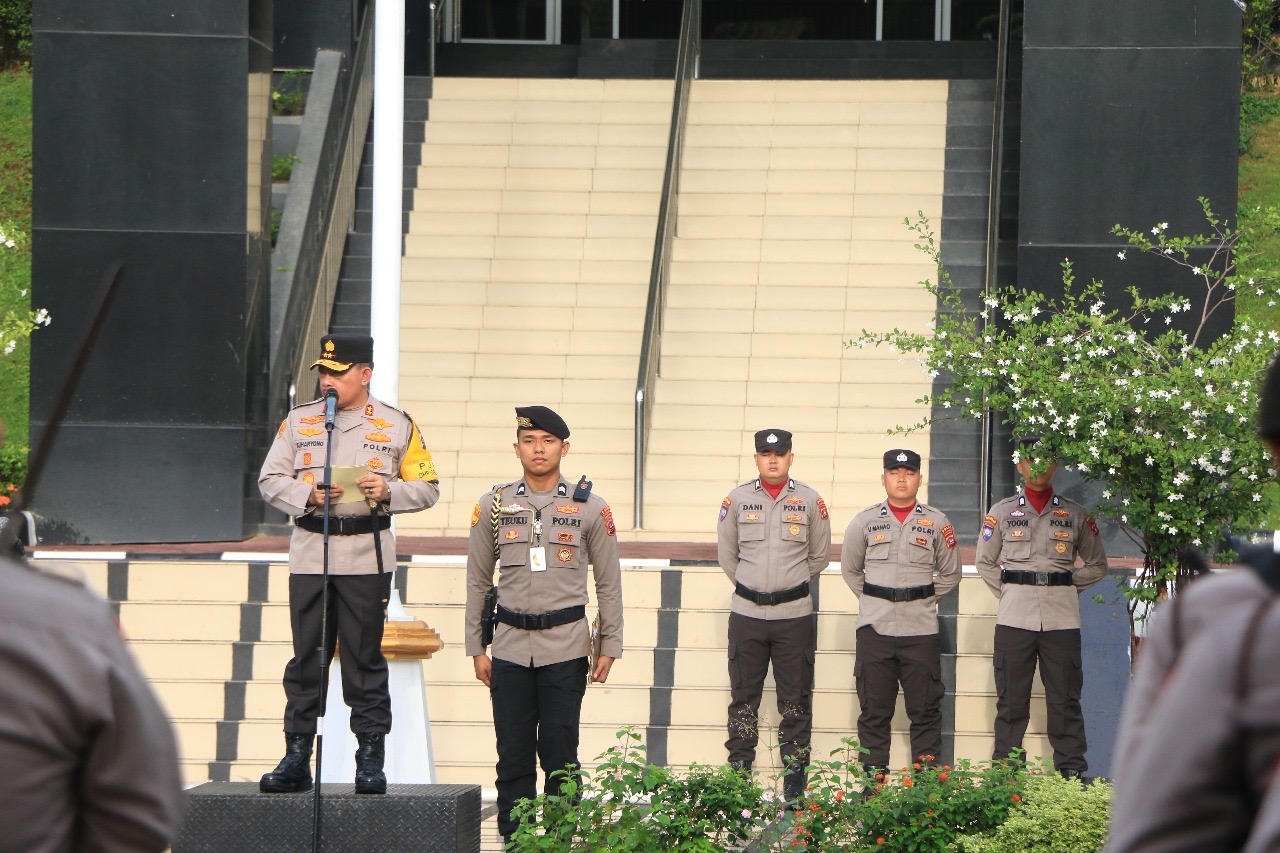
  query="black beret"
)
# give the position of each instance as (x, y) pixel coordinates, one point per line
(776, 440)
(339, 352)
(540, 417)
(900, 458)
(1269, 404)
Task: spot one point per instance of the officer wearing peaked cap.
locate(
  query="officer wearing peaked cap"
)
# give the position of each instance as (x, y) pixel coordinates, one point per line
(398, 476)
(899, 557)
(540, 533)
(773, 536)
(1027, 552)
(1206, 676)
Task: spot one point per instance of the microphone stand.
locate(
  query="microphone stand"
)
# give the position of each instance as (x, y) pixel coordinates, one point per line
(324, 630)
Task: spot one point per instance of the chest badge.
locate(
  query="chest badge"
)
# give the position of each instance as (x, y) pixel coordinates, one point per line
(310, 431)
(794, 530)
(311, 419)
(513, 534)
(1060, 547)
(306, 459)
(377, 436)
(565, 555)
(374, 463)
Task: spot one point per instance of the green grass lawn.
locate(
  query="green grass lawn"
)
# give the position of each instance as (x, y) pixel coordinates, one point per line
(15, 265)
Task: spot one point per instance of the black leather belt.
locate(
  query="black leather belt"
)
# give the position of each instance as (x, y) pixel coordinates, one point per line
(342, 525)
(771, 598)
(898, 593)
(541, 621)
(1035, 578)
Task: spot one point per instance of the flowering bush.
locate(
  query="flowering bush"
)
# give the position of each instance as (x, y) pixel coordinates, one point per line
(17, 324)
(634, 806)
(1162, 415)
(923, 807)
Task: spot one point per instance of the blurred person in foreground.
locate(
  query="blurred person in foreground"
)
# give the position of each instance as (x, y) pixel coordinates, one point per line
(1199, 741)
(88, 761)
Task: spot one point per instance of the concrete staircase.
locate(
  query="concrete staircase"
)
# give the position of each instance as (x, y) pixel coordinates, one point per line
(525, 275)
(790, 243)
(214, 637)
(527, 262)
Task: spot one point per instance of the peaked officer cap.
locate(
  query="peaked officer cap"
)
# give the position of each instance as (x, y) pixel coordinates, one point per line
(540, 417)
(776, 440)
(900, 458)
(339, 352)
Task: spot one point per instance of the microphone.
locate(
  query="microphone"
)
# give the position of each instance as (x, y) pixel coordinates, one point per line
(330, 408)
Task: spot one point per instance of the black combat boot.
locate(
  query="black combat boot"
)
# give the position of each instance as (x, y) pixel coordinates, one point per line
(794, 781)
(742, 767)
(293, 773)
(369, 754)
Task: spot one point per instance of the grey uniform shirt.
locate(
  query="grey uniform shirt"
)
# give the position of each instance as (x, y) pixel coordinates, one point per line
(881, 550)
(1017, 537)
(770, 544)
(1204, 777)
(1172, 627)
(376, 437)
(574, 535)
(87, 757)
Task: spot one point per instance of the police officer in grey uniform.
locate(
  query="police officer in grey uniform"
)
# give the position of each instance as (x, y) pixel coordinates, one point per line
(397, 476)
(899, 557)
(87, 756)
(542, 532)
(1027, 553)
(1206, 676)
(774, 535)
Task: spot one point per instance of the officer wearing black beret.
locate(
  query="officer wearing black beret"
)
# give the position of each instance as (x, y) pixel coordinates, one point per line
(540, 533)
(773, 537)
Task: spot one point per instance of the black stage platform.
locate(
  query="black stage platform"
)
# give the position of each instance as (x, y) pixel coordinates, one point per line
(234, 817)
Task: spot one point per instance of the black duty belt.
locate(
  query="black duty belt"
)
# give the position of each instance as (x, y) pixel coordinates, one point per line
(541, 621)
(898, 593)
(342, 525)
(771, 598)
(1035, 578)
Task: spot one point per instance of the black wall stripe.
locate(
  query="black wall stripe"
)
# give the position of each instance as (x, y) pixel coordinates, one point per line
(117, 583)
(664, 666)
(234, 689)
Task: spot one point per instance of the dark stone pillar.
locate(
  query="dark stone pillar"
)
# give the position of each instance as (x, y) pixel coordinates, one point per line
(152, 150)
(1130, 111)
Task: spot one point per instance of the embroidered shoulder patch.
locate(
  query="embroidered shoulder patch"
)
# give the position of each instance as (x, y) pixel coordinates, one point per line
(1093, 525)
(475, 515)
(607, 515)
(822, 508)
(949, 536)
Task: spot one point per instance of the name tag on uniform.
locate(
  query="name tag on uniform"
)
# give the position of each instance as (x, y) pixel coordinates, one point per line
(538, 559)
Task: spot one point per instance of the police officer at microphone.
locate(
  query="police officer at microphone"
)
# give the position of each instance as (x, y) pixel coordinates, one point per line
(543, 533)
(397, 476)
(899, 557)
(774, 536)
(1027, 553)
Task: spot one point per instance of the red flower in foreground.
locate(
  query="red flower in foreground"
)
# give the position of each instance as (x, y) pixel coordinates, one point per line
(907, 783)
(880, 840)
(942, 777)
(1017, 799)
(839, 796)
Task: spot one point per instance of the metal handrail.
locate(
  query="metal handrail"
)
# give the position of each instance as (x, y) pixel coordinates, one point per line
(986, 450)
(309, 276)
(651, 340)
